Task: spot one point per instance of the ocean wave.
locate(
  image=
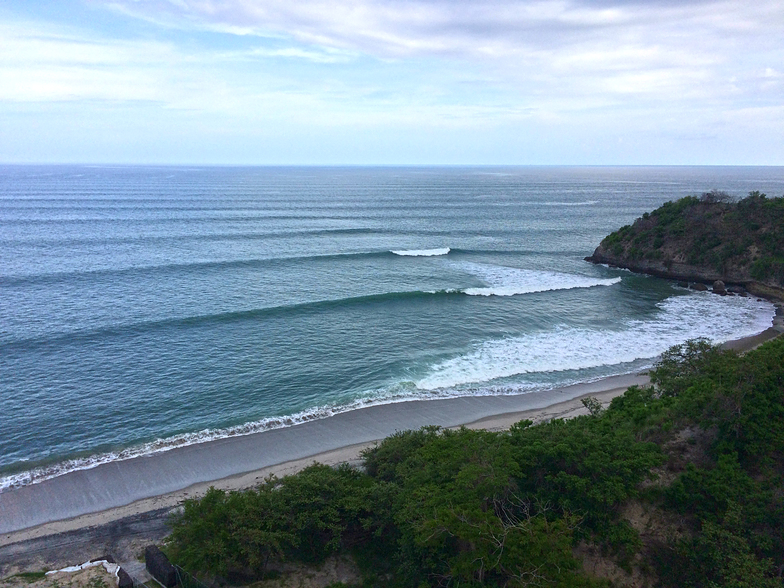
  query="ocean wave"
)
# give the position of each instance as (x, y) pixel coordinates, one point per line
(42, 473)
(680, 318)
(10, 280)
(205, 237)
(192, 266)
(422, 252)
(511, 281)
(200, 265)
(482, 371)
(532, 203)
(395, 393)
(583, 203)
(70, 337)
(502, 281)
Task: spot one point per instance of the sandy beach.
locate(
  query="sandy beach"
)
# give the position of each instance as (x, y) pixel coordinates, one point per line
(163, 479)
(124, 531)
(116, 491)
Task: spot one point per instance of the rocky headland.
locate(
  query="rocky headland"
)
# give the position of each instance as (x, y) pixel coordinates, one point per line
(705, 240)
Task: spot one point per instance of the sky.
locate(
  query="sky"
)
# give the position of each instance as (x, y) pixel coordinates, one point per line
(392, 82)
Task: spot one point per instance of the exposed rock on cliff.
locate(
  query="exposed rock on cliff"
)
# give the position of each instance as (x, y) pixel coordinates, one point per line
(706, 240)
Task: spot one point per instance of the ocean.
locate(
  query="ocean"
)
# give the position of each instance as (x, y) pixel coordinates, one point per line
(142, 308)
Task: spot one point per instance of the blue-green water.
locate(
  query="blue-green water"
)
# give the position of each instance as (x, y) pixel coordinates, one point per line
(144, 307)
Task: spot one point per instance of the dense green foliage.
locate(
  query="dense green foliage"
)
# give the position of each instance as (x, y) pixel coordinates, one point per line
(736, 499)
(462, 507)
(744, 239)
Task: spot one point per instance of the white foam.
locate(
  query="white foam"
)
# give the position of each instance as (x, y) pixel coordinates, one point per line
(422, 252)
(511, 281)
(679, 318)
(111, 568)
(399, 392)
(583, 203)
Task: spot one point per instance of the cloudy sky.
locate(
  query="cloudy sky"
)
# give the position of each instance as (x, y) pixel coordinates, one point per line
(392, 81)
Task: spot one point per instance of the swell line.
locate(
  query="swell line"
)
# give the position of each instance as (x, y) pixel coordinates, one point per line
(299, 308)
(224, 317)
(216, 236)
(262, 262)
(255, 217)
(179, 267)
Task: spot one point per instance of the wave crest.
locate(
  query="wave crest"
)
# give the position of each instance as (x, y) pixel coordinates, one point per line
(422, 252)
(511, 281)
(716, 318)
(560, 349)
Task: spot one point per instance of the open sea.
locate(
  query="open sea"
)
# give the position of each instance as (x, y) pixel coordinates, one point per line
(143, 308)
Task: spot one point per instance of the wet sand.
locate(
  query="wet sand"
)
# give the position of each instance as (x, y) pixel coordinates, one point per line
(165, 478)
(113, 491)
(124, 531)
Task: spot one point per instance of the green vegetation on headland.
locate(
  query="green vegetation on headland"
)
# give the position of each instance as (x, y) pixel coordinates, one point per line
(705, 239)
(676, 484)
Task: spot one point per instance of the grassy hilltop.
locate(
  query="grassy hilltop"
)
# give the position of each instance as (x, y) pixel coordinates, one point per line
(678, 484)
(705, 239)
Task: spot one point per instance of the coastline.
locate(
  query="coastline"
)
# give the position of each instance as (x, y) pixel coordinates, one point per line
(59, 542)
(680, 272)
(183, 469)
(159, 482)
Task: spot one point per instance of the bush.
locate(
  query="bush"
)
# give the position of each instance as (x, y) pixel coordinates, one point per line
(461, 507)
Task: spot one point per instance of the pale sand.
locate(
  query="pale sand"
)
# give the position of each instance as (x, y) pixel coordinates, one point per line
(121, 489)
(48, 499)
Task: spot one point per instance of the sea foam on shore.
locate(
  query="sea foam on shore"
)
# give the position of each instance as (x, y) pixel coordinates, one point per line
(487, 370)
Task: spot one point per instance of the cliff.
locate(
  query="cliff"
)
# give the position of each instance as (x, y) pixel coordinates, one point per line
(706, 239)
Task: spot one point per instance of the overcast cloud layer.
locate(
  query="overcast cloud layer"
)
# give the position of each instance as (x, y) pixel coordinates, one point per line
(363, 81)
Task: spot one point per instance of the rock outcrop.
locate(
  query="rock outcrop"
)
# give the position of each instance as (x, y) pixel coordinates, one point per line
(159, 567)
(728, 246)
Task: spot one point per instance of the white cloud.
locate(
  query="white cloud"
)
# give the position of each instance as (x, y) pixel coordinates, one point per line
(409, 27)
(38, 63)
(327, 56)
(43, 63)
(662, 49)
(691, 69)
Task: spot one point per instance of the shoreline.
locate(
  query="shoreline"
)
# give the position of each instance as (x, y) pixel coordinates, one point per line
(159, 482)
(165, 503)
(180, 471)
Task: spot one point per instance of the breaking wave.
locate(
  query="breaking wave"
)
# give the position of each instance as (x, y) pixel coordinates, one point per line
(422, 252)
(510, 281)
(680, 318)
(560, 349)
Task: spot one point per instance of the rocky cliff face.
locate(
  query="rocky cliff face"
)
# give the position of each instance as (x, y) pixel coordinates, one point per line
(698, 240)
(688, 273)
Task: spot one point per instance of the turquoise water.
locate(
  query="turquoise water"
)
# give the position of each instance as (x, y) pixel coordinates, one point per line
(144, 307)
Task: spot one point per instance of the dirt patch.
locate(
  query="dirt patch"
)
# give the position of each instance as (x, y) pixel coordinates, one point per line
(93, 577)
(654, 524)
(334, 569)
(657, 528)
(124, 540)
(690, 445)
(597, 565)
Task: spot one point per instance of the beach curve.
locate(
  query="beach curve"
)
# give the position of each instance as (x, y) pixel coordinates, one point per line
(183, 469)
(112, 491)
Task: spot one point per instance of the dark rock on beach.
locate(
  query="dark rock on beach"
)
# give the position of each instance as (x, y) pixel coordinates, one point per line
(124, 579)
(159, 566)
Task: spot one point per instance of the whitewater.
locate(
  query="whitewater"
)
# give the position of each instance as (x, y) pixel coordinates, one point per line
(143, 309)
